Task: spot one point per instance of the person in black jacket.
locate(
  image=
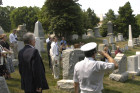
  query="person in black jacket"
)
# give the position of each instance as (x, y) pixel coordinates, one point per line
(48, 51)
(31, 67)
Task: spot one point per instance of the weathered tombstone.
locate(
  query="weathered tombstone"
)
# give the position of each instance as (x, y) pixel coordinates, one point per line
(84, 36)
(116, 39)
(38, 31)
(138, 54)
(90, 33)
(1, 30)
(135, 41)
(70, 58)
(120, 37)
(120, 74)
(105, 41)
(110, 27)
(113, 49)
(132, 65)
(130, 41)
(3, 86)
(111, 41)
(39, 44)
(96, 32)
(21, 30)
(75, 37)
(101, 47)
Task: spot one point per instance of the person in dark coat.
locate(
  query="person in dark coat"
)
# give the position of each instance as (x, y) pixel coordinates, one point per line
(48, 51)
(31, 67)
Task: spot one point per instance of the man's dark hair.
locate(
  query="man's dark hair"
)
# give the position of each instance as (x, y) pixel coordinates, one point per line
(90, 53)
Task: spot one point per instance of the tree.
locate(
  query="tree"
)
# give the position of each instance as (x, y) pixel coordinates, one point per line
(62, 17)
(25, 15)
(125, 19)
(5, 17)
(92, 19)
(110, 16)
(138, 19)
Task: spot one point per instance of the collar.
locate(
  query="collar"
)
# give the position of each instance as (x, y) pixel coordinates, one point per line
(30, 45)
(89, 58)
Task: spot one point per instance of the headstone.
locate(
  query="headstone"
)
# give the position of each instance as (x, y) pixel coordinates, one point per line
(75, 37)
(20, 45)
(1, 30)
(110, 27)
(135, 41)
(105, 41)
(90, 33)
(120, 37)
(116, 39)
(132, 65)
(120, 74)
(21, 30)
(130, 41)
(96, 32)
(38, 31)
(138, 54)
(101, 47)
(70, 58)
(113, 49)
(111, 41)
(84, 36)
(39, 44)
(3, 86)
(126, 47)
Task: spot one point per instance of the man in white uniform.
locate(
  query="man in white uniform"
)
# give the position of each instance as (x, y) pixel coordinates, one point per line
(54, 52)
(13, 43)
(88, 73)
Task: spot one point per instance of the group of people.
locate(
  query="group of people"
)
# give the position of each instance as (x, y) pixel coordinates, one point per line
(54, 50)
(6, 51)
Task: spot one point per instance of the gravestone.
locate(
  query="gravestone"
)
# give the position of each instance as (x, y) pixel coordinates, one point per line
(135, 41)
(84, 36)
(109, 27)
(121, 73)
(90, 33)
(75, 37)
(113, 49)
(101, 47)
(1, 30)
(38, 31)
(116, 39)
(120, 37)
(138, 54)
(132, 65)
(130, 41)
(70, 58)
(111, 41)
(105, 41)
(96, 32)
(20, 45)
(21, 30)
(3, 86)
(39, 45)
(126, 47)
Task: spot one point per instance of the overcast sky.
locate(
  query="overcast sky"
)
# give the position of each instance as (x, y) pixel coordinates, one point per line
(99, 6)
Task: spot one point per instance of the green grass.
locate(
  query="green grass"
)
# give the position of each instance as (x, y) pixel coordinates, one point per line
(130, 86)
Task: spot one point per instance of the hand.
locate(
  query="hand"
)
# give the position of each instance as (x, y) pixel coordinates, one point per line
(39, 89)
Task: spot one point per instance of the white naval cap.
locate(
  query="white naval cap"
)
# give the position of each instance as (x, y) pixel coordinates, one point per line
(89, 46)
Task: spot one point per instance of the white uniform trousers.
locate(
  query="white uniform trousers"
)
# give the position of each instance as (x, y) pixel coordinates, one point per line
(56, 66)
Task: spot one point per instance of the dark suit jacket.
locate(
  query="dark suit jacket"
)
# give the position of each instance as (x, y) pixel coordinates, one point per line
(31, 69)
(48, 47)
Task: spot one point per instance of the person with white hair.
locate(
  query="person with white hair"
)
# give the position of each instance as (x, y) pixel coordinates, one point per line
(89, 73)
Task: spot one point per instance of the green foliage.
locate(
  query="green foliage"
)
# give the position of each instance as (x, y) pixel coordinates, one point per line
(110, 16)
(62, 17)
(24, 15)
(5, 17)
(138, 19)
(125, 19)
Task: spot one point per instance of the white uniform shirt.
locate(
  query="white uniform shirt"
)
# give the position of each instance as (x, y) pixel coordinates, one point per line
(54, 51)
(47, 40)
(12, 38)
(89, 73)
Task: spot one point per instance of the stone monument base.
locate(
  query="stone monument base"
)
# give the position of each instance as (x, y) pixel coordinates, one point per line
(3, 86)
(134, 73)
(67, 85)
(119, 77)
(15, 62)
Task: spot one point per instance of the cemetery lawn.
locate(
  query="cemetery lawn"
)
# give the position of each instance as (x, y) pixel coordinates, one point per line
(130, 86)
